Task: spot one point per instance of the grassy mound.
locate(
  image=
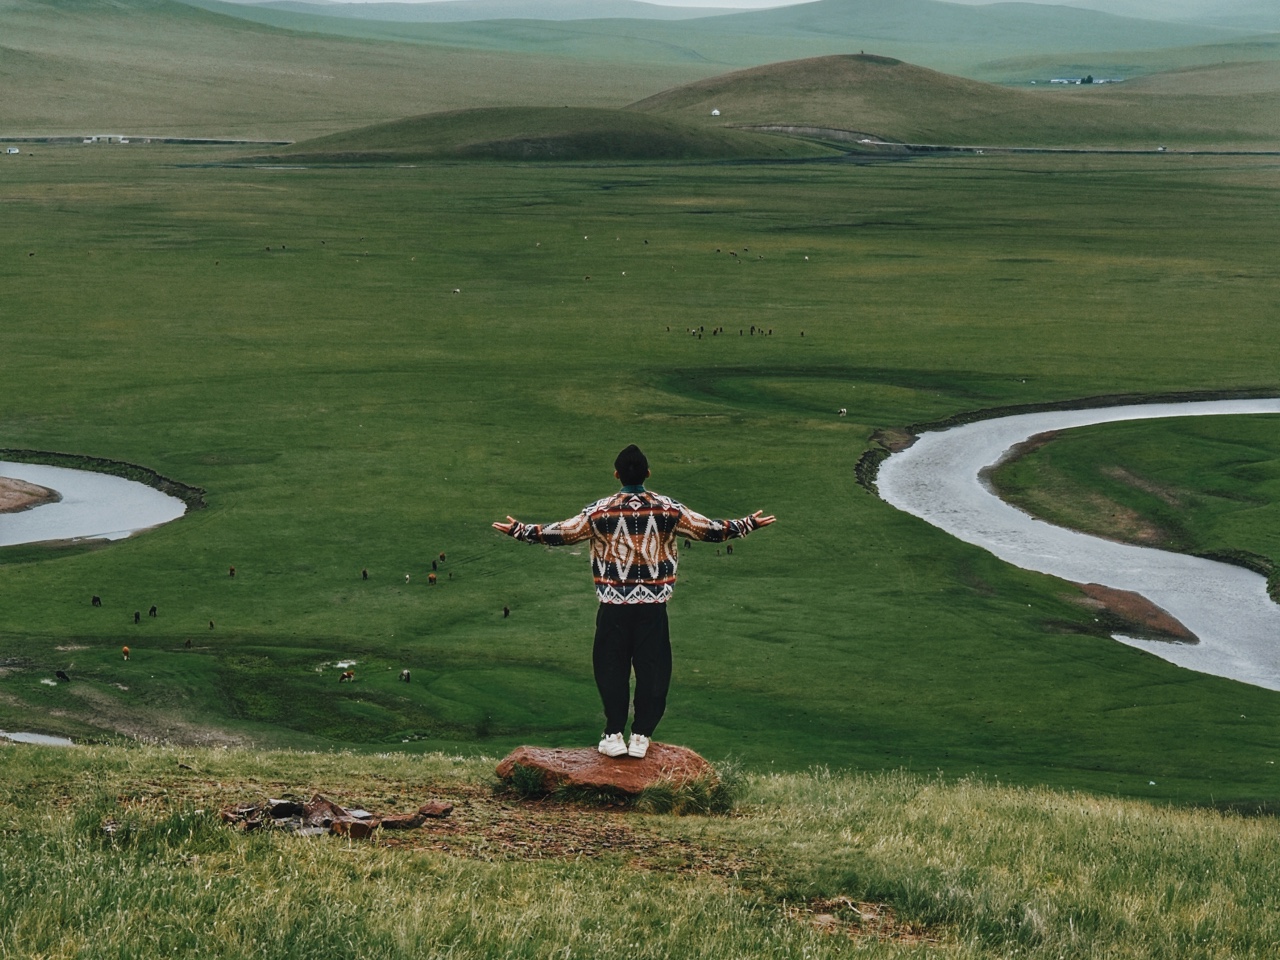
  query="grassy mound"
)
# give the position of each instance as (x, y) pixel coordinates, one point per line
(899, 101)
(545, 133)
(812, 865)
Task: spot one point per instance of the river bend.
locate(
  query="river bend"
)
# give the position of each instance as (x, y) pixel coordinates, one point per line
(1227, 607)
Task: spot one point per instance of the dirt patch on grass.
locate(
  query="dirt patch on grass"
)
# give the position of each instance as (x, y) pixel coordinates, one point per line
(1136, 614)
(1166, 495)
(103, 712)
(843, 916)
(18, 495)
(492, 827)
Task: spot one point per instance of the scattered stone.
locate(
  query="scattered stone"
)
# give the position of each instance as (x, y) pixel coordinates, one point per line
(403, 821)
(321, 815)
(321, 812)
(588, 768)
(353, 828)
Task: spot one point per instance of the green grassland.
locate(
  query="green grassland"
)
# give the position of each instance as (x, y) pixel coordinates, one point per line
(1195, 486)
(820, 865)
(290, 341)
(547, 133)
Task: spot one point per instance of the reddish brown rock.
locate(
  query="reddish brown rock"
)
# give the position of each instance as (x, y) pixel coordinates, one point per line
(587, 767)
(435, 809)
(321, 812)
(353, 828)
(403, 821)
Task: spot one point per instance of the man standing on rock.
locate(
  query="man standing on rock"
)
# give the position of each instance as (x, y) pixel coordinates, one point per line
(633, 537)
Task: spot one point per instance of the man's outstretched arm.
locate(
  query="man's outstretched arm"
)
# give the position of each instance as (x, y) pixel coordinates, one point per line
(551, 534)
(698, 527)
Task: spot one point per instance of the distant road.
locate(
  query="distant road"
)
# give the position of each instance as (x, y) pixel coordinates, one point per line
(116, 139)
(872, 144)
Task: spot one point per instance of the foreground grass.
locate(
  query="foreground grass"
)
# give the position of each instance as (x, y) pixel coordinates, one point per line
(815, 864)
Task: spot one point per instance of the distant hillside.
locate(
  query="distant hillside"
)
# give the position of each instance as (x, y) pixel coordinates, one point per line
(1245, 14)
(548, 133)
(946, 36)
(167, 68)
(164, 68)
(897, 101)
(446, 11)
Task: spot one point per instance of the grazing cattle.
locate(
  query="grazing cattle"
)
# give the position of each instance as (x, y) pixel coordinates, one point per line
(210, 624)
(137, 616)
(728, 548)
(404, 675)
(188, 643)
(125, 652)
(152, 611)
(96, 600)
(62, 676)
(431, 579)
(347, 676)
(506, 612)
(433, 564)
(231, 572)
(406, 578)
(364, 574)
(843, 412)
(442, 557)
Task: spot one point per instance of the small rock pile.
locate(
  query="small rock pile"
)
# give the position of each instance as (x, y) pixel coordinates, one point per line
(321, 815)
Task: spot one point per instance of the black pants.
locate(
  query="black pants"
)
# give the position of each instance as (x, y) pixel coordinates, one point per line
(632, 635)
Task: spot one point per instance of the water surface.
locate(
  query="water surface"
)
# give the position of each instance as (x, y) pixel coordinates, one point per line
(94, 506)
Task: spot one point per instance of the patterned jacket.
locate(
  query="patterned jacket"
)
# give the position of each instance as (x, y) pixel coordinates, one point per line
(633, 541)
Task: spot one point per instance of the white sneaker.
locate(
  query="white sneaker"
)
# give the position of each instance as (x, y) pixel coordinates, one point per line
(612, 745)
(639, 746)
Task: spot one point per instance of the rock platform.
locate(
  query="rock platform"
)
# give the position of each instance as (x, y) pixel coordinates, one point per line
(586, 767)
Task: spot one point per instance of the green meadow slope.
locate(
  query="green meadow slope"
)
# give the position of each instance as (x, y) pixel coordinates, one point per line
(546, 133)
(886, 98)
(812, 867)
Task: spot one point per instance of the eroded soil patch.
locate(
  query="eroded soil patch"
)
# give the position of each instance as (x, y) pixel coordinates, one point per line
(1137, 614)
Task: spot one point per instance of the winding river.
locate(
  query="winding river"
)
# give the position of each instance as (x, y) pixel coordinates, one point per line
(1227, 607)
(94, 506)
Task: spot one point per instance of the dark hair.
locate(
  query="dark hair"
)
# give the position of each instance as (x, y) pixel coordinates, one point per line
(632, 466)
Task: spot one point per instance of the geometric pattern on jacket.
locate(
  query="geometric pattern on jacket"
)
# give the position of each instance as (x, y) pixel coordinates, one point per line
(633, 542)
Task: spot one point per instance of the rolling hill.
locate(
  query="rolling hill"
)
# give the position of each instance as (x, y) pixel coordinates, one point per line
(445, 11)
(163, 68)
(545, 133)
(897, 101)
(945, 36)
